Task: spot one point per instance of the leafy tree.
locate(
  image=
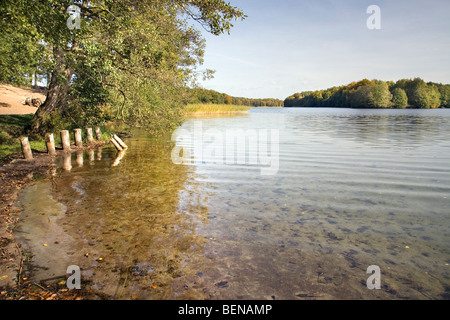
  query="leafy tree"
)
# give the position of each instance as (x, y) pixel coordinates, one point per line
(121, 44)
(380, 96)
(444, 91)
(424, 96)
(199, 95)
(361, 97)
(22, 53)
(228, 99)
(375, 94)
(289, 102)
(399, 98)
(420, 94)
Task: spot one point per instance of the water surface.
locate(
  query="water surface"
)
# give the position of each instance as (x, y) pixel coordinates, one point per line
(353, 188)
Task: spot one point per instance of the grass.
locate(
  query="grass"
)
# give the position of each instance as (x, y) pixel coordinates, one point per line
(12, 127)
(215, 108)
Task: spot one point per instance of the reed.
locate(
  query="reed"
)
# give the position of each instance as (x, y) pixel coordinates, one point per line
(215, 108)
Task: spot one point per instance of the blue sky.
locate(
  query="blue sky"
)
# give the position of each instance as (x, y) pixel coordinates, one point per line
(289, 46)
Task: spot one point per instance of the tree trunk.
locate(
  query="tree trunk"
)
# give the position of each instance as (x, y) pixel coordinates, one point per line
(35, 80)
(56, 100)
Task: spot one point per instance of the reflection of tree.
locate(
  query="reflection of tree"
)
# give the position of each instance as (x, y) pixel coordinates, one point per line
(129, 216)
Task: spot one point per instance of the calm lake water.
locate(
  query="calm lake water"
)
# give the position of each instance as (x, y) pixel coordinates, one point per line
(297, 207)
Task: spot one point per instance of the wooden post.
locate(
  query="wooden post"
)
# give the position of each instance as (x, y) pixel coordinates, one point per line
(50, 142)
(65, 140)
(26, 149)
(116, 144)
(122, 144)
(78, 139)
(98, 133)
(90, 137)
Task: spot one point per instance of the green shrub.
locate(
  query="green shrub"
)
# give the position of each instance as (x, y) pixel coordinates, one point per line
(5, 138)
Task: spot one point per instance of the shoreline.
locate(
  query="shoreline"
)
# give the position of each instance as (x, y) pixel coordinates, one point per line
(16, 175)
(202, 113)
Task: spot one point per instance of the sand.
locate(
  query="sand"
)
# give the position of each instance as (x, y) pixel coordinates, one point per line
(12, 99)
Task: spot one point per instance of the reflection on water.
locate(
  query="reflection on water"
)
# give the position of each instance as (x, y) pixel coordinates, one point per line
(122, 224)
(354, 188)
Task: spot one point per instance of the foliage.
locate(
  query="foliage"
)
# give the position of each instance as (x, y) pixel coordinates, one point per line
(399, 98)
(5, 138)
(21, 52)
(200, 95)
(375, 94)
(420, 94)
(129, 59)
(148, 103)
(11, 128)
(444, 90)
(380, 96)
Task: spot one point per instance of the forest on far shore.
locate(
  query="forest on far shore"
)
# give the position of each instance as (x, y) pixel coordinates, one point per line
(205, 96)
(405, 93)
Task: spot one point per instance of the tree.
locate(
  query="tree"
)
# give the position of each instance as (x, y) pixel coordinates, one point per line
(376, 94)
(361, 97)
(420, 94)
(399, 98)
(289, 102)
(121, 44)
(444, 90)
(424, 96)
(22, 54)
(380, 95)
(228, 99)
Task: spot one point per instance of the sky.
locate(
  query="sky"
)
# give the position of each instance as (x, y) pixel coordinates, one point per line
(289, 46)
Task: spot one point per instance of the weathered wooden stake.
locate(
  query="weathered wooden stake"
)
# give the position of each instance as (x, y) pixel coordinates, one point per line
(65, 140)
(98, 133)
(116, 144)
(90, 137)
(50, 142)
(78, 139)
(122, 144)
(26, 149)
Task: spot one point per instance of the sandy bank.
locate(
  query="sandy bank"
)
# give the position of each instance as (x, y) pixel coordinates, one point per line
(12, 98)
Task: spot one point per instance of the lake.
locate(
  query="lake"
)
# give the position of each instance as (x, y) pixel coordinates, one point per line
(275, 204)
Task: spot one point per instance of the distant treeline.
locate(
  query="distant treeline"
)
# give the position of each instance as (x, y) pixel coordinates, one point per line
(199, 95)
(415, 93)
